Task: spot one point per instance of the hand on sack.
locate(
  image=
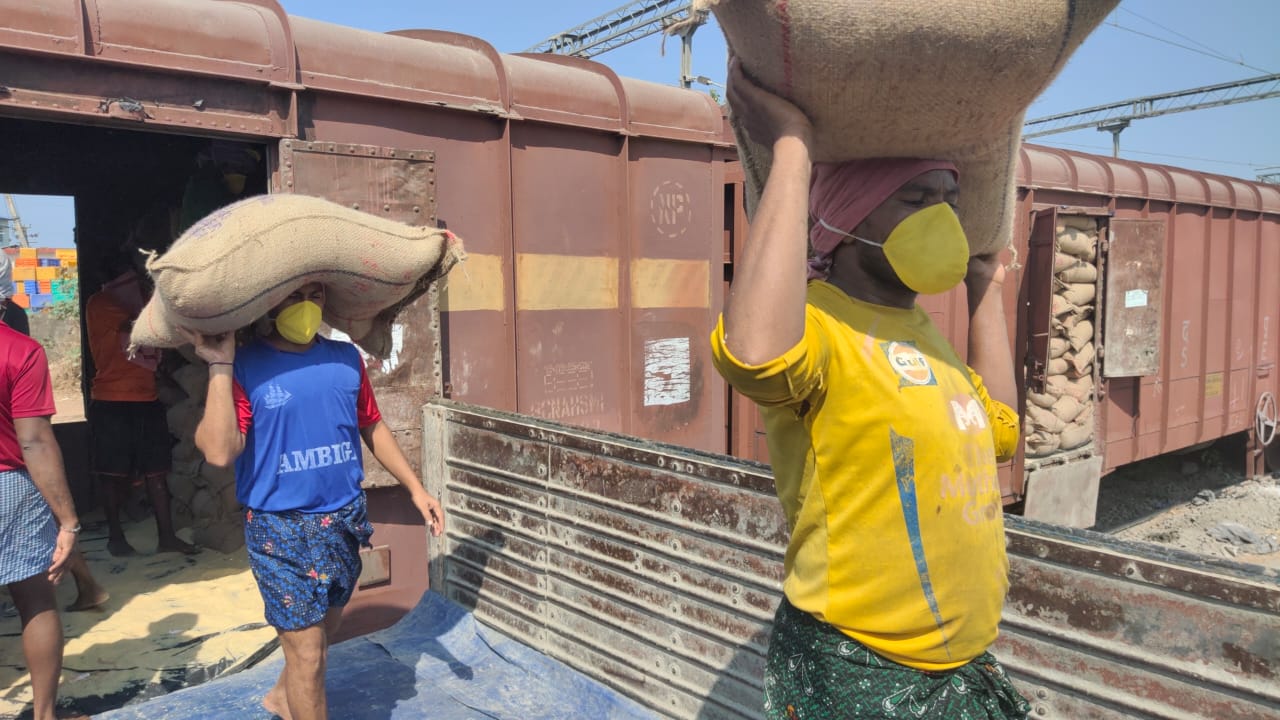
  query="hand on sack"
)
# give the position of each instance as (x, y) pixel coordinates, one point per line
(766, 117)
(986, 273)
(219, 348)
(985, 270)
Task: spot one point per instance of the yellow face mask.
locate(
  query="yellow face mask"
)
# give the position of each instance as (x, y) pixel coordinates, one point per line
(928, 250)
(235, 182)
(299, 322)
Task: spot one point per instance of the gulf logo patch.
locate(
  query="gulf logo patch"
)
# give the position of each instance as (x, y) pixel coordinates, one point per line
(909, 364)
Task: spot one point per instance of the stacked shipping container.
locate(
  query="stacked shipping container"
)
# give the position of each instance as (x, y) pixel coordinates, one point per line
(42, 276)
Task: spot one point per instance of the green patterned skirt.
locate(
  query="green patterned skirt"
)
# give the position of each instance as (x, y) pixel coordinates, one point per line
(816, 672)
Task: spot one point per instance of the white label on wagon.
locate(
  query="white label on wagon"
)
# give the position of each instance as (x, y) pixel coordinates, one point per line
(1135, 299)
(666, 371)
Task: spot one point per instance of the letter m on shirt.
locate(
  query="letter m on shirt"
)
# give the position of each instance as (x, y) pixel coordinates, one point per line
(968, 414)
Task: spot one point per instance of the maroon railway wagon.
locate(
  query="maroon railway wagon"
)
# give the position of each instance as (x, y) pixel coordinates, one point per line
(602, 216)
(594, 206)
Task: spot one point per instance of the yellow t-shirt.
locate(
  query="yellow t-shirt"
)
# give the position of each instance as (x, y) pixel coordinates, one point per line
(884, 448)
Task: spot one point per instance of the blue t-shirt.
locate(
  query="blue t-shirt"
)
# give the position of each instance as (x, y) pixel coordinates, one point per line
(301, 414)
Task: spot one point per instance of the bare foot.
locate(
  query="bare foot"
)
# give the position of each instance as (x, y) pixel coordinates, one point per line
(119, 547)
(89, 598)
(176, 545)
(276, 703)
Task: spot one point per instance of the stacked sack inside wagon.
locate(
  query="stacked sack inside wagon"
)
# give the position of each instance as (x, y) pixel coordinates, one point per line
(203, 495)
(228, 270)
(1061, 418)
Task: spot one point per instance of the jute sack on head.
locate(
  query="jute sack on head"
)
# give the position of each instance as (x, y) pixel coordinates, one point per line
(229, 269)
(937, 79)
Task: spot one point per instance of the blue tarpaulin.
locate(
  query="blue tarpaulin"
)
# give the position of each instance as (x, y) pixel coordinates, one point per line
(437, 663)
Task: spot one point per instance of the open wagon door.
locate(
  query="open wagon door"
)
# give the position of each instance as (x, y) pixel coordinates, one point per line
(400, 185)
(1134, 299)
(1061, 458)
(1039, 295)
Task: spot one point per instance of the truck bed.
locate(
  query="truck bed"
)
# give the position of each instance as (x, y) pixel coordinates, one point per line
(654, 571)
(437, 663)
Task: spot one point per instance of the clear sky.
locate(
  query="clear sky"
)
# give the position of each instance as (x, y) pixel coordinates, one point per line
(1123, 59)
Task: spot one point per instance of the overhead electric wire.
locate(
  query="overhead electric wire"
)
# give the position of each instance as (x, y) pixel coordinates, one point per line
(1175, 32)
(1167, 41)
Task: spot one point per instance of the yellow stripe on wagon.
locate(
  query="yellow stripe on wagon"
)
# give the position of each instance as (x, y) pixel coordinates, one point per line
(576, 282)
(662, 283)
(566, 282)
(477, 284)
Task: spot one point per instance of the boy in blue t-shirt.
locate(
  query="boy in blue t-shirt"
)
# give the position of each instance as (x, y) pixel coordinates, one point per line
(290, 411)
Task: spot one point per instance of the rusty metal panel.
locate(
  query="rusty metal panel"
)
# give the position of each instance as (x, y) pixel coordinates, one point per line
(653, 569)
(1267, 374)
(656, 570)
(675, 203)
(473, 199)
(1134, 298)
(137, 97)
(657, 110)
(247, 39)
(566, 90)
(1243, 321)
(1053, 168)
(1095, 627)
(47, 27)
(398, 184)
(1064, 494)
(1188, 263)
(569, 205)
(206, 67)
(464, 72)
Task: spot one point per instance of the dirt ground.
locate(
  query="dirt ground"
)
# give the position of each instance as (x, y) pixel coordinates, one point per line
(60, 337)
(1195, 502)
(171, 620)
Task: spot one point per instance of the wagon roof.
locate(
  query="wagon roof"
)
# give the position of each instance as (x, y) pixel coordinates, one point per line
(256, 41)
(1046, 167)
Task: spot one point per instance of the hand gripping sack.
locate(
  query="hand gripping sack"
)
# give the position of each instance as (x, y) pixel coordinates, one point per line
(938, 79)
(229, 269)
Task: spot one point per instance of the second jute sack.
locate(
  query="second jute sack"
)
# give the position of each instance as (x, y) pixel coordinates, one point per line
(937, 79)
(232, 267)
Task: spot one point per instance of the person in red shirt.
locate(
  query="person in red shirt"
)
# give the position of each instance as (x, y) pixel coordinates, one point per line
(38, 521)
(89, 594)
(127, 424)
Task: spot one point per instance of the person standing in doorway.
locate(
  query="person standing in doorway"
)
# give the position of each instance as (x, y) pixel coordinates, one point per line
(289, 410)
(11, 313)
(127, 423)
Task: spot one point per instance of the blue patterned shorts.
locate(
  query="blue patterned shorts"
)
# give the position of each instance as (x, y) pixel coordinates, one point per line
(306, 563)
(28, 532)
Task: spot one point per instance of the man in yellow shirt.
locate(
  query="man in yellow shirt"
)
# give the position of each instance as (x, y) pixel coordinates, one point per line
(884, 443)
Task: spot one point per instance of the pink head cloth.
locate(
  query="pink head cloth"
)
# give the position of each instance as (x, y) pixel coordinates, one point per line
(844, 194)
